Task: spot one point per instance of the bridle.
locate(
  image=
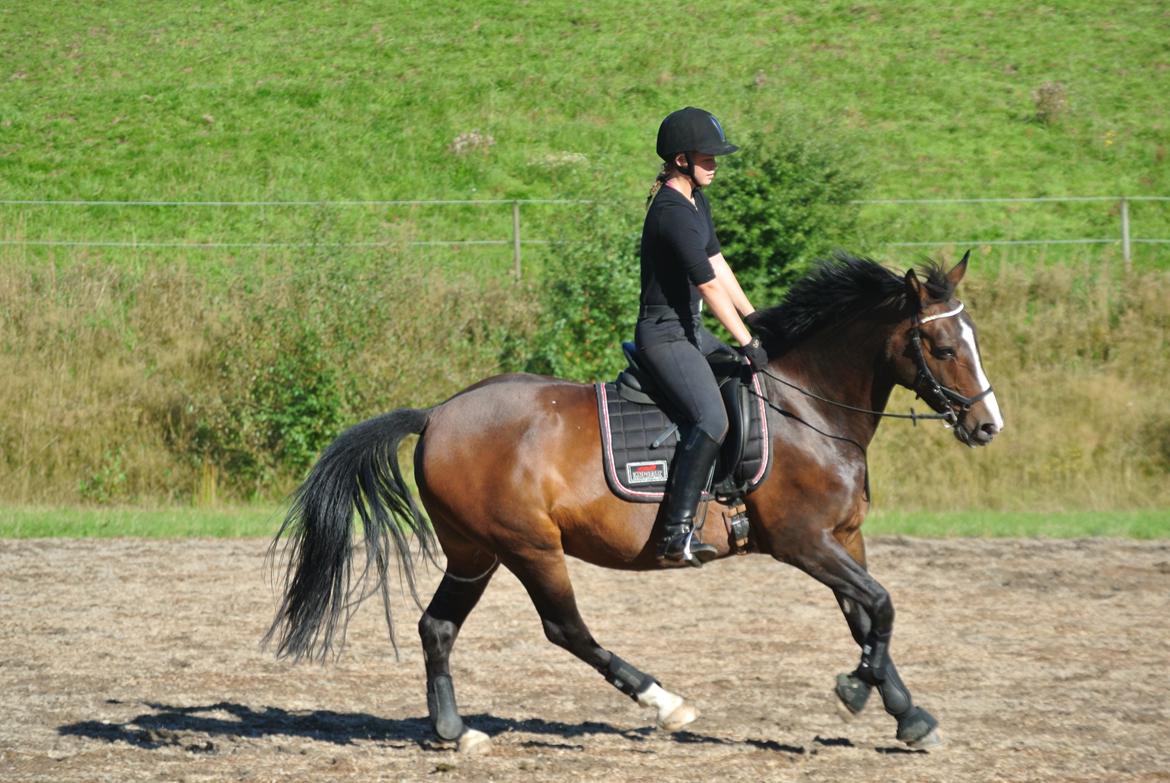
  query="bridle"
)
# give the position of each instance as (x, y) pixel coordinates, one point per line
(955, 406)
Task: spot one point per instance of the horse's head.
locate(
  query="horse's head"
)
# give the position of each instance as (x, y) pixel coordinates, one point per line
(936, 355)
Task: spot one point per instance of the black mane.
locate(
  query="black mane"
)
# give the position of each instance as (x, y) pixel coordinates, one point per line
(838, 289)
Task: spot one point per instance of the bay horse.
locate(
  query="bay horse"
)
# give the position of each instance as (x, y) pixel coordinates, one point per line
(509, 471)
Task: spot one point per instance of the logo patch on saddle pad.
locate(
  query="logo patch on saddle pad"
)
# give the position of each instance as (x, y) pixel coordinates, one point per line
(638, 442)
(646, 472)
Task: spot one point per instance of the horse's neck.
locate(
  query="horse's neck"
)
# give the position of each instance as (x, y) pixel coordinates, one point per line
(848, 366)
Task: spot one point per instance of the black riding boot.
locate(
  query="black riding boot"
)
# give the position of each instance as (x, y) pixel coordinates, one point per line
(692, 470)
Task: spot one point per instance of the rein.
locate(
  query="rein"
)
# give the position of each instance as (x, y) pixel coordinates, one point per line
(913, 415)
(945, 396)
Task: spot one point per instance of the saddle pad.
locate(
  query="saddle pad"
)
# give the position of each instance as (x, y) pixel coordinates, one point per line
(638, 470)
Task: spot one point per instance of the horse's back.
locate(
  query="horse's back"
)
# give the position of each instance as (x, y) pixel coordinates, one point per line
(510, 447)
(509, 402)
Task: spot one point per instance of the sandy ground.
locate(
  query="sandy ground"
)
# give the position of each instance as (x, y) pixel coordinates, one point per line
(139, 660)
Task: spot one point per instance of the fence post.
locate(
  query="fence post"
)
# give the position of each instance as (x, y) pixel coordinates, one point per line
(1125, 250)
(516, 237)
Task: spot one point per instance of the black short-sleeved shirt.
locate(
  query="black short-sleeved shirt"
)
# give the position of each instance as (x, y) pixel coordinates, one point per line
(678, 239)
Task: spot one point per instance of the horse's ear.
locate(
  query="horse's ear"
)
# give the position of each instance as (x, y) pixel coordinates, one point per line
(960, 269)
(914, 286)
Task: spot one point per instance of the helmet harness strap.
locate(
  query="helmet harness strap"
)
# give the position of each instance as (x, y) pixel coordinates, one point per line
(690, 171)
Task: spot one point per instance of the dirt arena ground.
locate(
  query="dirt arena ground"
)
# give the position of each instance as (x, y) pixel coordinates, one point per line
(139, 660)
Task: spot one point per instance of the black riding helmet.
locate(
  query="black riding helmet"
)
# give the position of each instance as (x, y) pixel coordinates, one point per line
(692, 130)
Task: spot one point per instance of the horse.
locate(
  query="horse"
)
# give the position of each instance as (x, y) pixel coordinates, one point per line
(509, 472)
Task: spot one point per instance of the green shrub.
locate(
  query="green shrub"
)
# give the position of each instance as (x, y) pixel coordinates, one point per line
(287, 361)
(278, 402)
(107, 482)
(781, 201)
(589, 298)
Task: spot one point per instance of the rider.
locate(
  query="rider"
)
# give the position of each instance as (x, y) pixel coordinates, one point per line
(682, 266)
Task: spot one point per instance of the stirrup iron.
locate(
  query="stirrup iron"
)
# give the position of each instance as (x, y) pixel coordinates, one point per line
(691, 552)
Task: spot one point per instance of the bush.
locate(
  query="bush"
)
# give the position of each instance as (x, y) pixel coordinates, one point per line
(288, 360)
(589, 295)
(277, 402)
(778, 203)
(781, 201)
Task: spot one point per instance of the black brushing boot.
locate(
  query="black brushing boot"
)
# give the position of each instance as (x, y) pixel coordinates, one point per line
(692, 470)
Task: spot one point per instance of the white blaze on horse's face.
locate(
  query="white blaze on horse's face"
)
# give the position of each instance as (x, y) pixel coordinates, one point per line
(954, 337)
(967, 334)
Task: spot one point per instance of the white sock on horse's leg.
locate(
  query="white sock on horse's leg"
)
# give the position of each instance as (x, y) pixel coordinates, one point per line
(673, 711)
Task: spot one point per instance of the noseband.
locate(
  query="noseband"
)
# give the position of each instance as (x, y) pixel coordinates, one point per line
(954, 406)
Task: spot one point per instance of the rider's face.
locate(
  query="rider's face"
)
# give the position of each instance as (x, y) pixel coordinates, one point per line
(705, 166)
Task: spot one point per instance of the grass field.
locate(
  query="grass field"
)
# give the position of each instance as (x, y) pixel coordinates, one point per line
(479, 100)
(263, 521)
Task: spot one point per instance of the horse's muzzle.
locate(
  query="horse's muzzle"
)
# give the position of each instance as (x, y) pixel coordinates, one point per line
(978, 434)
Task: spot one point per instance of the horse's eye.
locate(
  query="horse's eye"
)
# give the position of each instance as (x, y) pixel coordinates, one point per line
(943, 353)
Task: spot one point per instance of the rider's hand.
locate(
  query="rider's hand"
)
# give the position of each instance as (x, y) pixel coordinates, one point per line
(754, 353)
(752, 320)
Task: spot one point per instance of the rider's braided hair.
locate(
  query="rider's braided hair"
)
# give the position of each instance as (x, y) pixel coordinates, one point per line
(669, 169)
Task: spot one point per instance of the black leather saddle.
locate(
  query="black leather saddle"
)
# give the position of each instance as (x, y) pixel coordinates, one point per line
(639, 431)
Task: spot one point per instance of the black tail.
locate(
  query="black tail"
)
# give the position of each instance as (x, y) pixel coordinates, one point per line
(358, 471)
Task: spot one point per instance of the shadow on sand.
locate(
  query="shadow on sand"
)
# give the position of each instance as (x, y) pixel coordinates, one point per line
(196, 729)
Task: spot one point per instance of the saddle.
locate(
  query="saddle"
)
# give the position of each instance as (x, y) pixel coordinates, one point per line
(639, 433)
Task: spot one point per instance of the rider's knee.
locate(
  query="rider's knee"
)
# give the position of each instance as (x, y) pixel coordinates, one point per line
(714, 425)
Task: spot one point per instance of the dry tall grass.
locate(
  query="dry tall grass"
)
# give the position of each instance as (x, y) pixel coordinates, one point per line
(139, 382)
(121, 382)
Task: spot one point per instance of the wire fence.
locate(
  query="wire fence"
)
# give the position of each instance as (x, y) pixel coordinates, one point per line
(1124, 235)
(519, 235)
(516, 238)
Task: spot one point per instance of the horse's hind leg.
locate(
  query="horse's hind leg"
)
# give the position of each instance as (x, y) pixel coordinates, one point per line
(456, 596)
(546, 578)
(916, 726)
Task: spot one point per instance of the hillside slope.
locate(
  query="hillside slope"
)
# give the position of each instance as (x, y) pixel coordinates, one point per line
(415, 100)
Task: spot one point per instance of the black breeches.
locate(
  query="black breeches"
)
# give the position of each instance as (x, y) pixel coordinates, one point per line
(685, 377)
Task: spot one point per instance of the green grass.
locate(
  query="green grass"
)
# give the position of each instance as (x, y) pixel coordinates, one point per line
(26, 522)
(365, 100)
(1149, 524)
(263, 522)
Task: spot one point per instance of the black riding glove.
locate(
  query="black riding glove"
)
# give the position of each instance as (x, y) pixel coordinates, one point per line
(754, 353)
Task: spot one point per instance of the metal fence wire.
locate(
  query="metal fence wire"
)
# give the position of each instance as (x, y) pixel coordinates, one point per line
(1124, 236)
(518, 236)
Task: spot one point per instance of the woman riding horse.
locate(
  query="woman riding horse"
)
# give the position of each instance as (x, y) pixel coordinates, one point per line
(510, 473)
(683, 266)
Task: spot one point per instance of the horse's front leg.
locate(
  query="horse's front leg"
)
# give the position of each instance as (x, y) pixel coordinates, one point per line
(870, 614)
(916, 726)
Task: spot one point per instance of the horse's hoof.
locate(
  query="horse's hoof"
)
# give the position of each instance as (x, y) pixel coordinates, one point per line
(852, 695)
(683, 715)
(449, 726)
(932, 740)
(843, 712)
(918, 729)
(472, 741)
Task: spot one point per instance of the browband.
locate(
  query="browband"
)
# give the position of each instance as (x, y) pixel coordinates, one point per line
(937, 316)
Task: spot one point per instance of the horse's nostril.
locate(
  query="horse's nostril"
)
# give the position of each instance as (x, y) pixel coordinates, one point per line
(989, 430)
